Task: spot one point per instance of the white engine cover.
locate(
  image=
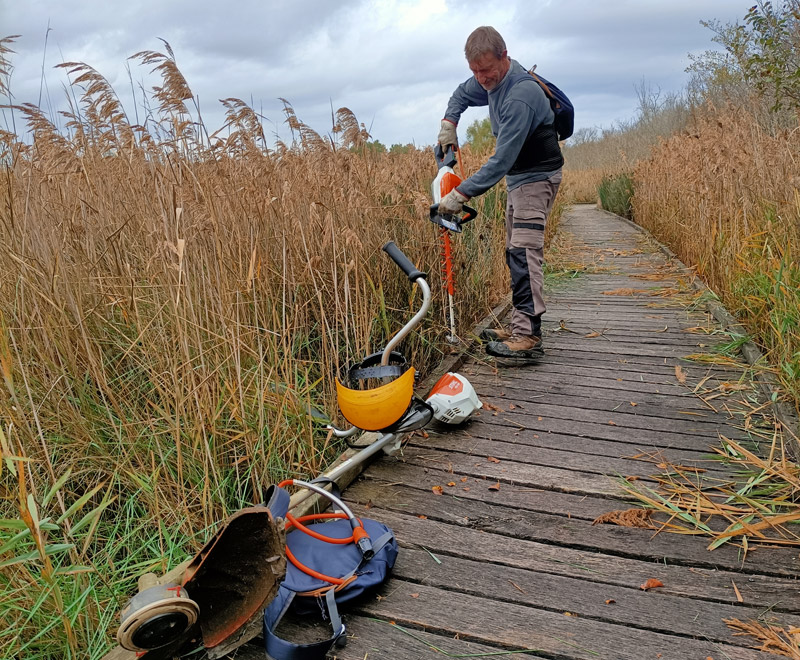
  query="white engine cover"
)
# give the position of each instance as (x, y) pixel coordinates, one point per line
(453, 399)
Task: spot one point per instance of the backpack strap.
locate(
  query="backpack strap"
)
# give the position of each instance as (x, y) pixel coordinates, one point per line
(281, 649)
(277, 500)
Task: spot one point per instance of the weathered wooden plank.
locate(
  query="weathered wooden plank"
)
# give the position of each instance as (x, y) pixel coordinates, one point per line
(376, 639)
(604, 431)
(424, 477)
(663, 376)
(590, 358)
(652, 342)
(649, 455)
(582, 324)
(674, 425)
(776, 593)
(560, 390)
(517, 449)
(628, 349)
(549, 633)
(573, 533)
(599, 397)
(530, 475)
(643, 414)
(651, 611)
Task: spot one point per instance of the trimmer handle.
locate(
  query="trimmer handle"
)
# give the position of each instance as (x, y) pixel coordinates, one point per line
(445, 158)
(403, 262)
(450, 221)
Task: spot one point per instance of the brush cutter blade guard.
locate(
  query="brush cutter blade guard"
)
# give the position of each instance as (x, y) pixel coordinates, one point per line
(219, 598)
(376, 407)
(235, 576)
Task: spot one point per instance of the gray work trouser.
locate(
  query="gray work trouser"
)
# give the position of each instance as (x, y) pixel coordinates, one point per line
(526, 217)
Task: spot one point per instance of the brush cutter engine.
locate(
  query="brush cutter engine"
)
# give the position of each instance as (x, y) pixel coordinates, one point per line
(453, 399)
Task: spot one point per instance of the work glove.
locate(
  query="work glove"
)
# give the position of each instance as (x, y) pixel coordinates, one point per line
(448, 135)
(452, 202)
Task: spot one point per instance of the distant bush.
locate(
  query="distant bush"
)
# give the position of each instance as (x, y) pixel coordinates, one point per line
(616, 194)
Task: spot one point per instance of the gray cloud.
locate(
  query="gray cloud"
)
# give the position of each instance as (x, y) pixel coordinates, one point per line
(393, 62)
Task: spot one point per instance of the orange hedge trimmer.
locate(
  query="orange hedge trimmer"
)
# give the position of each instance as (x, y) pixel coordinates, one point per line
(444, 182)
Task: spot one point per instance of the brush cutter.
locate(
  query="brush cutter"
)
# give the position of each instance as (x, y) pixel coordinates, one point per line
(446, 179)
(377, 394)
(215, 602)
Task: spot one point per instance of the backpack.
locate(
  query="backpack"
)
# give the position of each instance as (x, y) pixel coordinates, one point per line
(560, 104)
(310, 559)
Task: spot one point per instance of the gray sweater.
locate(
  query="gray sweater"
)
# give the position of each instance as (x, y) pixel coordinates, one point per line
(514, 111)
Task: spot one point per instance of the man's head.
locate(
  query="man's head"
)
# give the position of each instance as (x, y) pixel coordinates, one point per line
(487, 57)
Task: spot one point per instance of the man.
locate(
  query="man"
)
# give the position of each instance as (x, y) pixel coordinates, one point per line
(528, 155)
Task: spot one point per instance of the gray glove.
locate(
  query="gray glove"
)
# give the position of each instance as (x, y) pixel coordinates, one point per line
(452, 202)
(447, 134)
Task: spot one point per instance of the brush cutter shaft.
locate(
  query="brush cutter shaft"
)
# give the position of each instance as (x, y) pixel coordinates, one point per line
(408, 327)
(415, 275)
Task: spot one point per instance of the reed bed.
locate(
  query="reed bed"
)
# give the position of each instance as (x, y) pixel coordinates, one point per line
(580, 186)
(724, 196)
(175, 305)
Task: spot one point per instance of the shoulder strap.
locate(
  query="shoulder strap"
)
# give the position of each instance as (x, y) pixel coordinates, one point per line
(542, 83)
(280, 649)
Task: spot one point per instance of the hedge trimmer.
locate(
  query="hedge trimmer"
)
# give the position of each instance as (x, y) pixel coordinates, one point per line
(444, 182)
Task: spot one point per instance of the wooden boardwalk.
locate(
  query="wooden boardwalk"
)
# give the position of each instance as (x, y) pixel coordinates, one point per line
(507, 557)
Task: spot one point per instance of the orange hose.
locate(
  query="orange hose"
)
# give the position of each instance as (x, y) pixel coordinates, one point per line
(294, 522)
(358, 532)
(311, 571)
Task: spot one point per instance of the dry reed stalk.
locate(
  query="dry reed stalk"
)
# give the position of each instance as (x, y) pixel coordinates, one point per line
(771, 639)
(172, 304)
(724, 197)
(581, 185)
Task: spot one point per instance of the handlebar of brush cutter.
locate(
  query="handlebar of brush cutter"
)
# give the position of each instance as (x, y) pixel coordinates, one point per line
(403, 261)
(415, 275)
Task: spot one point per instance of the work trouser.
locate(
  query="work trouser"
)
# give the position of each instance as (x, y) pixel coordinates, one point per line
(526, 217)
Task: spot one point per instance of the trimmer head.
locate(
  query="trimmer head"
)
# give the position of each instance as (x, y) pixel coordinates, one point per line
(217, 600)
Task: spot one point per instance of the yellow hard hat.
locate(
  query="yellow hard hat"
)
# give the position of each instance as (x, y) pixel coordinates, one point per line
(376, 408)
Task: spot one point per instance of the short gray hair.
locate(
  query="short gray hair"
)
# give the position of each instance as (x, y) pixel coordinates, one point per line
(483, 40)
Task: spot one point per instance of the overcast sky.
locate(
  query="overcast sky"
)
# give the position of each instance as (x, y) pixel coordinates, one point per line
(394, 63)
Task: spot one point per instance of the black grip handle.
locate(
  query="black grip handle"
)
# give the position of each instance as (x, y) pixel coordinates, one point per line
(451, 221)
(403, 261)
(471, 214)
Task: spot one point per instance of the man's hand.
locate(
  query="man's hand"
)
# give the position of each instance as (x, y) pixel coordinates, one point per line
(452, 202)
(448, 135)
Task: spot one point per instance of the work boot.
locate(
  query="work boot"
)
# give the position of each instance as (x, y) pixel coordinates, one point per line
(517, 346)
(495, 334)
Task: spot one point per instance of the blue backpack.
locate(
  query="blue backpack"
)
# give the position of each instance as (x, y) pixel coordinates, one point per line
(349, 574)
(560, 104)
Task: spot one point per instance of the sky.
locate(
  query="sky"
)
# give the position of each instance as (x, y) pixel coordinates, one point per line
(393, 63)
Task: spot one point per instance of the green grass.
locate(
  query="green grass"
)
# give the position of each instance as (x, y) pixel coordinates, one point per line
(767, 299)
(616, 194)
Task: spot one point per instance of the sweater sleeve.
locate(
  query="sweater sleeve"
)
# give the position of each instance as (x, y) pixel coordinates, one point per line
(468, 94)
(511, 135)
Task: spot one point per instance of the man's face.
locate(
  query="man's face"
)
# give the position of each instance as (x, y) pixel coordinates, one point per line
(489, 70)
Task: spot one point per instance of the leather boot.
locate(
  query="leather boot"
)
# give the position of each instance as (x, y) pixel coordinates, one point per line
(517, 346)
(496, 334)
